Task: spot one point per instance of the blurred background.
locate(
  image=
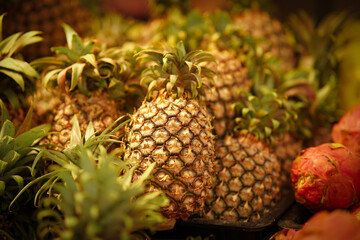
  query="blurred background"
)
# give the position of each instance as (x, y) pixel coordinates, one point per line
(46, 16)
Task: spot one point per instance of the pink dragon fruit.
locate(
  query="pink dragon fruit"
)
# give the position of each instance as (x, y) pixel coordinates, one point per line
(355, 210)
(347, 130)
(324, 225)
(326, 177)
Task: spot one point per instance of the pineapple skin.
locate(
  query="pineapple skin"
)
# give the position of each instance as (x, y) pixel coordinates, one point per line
(286, 150)
(247, 183)
(231, 77)
(177, 135)
(98, 108)
(260, 24)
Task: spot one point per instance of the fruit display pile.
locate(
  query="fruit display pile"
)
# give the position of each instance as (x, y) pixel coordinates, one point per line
(114, 127)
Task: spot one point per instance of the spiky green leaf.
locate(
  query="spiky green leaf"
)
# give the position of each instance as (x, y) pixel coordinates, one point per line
(8, 43)
(51, 75)
(19, 180)
(70, 54)
(275, 123)
(11, 157)
(25, 39)
(90, 131)
(77, 44)
(3, 165)
(88, 48)
(267, 131)
(7, 129)
(17, 77)
(18, 66)
(28, 138)
(69, 32)
(76, 74)
(2, 183)
(4, 113)
(90, 58)
(1, 24)
(75, 138)
(26, 124)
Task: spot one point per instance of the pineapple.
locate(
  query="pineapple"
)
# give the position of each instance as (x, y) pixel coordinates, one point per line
(18, 150)
(215, 34)
(17, 77)
(233, 57)
(271, 34)
(286, 149)
(45, 16)
(231, 77)
(174, 130)
(248, 179)
(90, 79)
(320, 46)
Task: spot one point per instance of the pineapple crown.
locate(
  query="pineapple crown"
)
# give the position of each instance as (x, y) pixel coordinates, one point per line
(82, 65)
(16, 75)
(263, 116)
(177, 72)
(322, 51)
(320, 46)
(227, 35)
(93, 200)
(18, 149)
(190, 28)
(88, 188)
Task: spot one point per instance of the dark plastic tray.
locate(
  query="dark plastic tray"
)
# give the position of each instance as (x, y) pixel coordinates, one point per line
(216, 229)
(295, 217)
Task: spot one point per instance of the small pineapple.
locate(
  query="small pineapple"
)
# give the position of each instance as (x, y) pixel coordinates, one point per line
(248, 183)
(231, 77)
(18, 150)
(233, 57)
(90, 80)
(174, 130)
(17, 77)
(271, 34)
(286, 149)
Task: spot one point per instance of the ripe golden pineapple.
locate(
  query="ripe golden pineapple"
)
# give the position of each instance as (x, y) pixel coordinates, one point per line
(90, 83)
(45, 16)
(260, 24)
(174, 131)
(248, 173)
